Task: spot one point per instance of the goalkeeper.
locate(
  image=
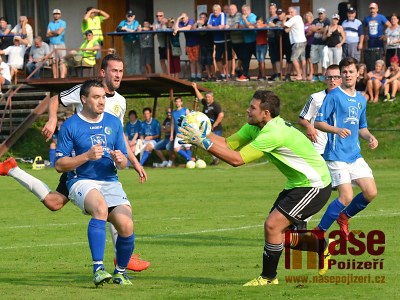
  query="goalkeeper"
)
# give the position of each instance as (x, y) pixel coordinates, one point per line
(308, 185)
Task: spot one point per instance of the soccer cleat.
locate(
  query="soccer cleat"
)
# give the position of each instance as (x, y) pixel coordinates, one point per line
(261, 281)
(135, 264)
(343, 222)
(121, 278)
(7, 165)
(327, 257)
(101, 276)
(242, 78)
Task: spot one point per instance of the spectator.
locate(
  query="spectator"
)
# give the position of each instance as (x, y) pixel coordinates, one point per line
(361, 84)
(56, 33)
(131, 43)
(318, 44)
(5, 29)
(232, 22)
(192, 44)
(5, 75)
(261, 47)
(132, 129)
(375, 24)
(286, 47)
(308, 18)
(92, 21)
(375, 80)
(248, 20)
(87, 53)
(147, 48)
(175, 51)
(273, 37)
(38, 55)
(24, 31)
(392, 36)
(354, 35)
(206, 41)
(166, 143)
(217, 20)
(297, 37)
(149, 134)
(160, 24)
(392, 76)
(15, 55)
(335, 38)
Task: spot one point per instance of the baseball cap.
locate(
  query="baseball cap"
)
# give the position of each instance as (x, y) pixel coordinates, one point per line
(321, 10)
(351, 10)
(335, 16)
(56, 11)
(272, 4)
(130, 13)
(373, 5)
(279, 11)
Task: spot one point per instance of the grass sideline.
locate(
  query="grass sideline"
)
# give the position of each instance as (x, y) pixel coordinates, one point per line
(200, 229)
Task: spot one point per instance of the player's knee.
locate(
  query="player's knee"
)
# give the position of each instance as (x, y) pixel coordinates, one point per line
(370, 194)
(345, 199)
(100, 211)
(54, 201)
(125, 229)
(270, 227)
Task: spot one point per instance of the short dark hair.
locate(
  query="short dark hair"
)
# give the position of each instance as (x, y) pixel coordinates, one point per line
(147, 108)
(132, 112)
(333, 67)
(269, 101)
(3, 19)
(109, 57)
(347, 61)
(85, 87)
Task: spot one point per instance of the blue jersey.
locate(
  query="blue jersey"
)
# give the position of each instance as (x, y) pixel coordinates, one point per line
(132, 129)
(53, 26)
(249, 36)
(79, 135)
(343, 111)
(375, 25)
(150, 129)
(215, 21)
(175, 116)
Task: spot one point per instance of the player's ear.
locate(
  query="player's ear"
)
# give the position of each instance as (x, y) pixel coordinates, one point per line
(83, 99)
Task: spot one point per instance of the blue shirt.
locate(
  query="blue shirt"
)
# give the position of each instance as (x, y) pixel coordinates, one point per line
(79, 135)
(150, 129)
(175, 116)
(343, 111)
(249, 36)
(216, 21)
(192, 38)
(53, 26)
(132, 129)
(375, 25)
(353, 30)
(133, 26)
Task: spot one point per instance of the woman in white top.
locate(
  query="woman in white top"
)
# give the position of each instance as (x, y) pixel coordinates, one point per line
(392, 37)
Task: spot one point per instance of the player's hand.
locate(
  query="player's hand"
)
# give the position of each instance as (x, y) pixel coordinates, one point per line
(343, 132)
(190, 135)
(117, 156)
(373, 142)
(48, 130)
(142, 173)
(312, 133)
(95, 152)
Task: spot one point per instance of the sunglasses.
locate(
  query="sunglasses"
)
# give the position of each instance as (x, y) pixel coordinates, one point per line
(159, 16)
(130, 16)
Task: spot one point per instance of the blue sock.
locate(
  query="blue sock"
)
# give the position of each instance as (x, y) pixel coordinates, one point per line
(124, 247)
(189, 153)
(356, 205)
(97, 241)
(52, 157)
(331, 214)
(184, 155)
(145, 156)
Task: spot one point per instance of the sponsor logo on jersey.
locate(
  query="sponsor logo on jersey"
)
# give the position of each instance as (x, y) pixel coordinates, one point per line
(107, 130)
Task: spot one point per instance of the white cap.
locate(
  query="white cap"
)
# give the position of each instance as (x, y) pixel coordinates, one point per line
(56, 11)
(321, 10)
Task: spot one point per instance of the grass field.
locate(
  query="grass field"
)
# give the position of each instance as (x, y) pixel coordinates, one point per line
(200, 229)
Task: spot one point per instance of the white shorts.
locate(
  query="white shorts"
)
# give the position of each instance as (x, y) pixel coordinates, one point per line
(111, 190)
(342, 172)
(152, 142)
(177, 145)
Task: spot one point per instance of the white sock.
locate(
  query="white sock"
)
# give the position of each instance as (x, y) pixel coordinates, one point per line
(114, 235)
(32, 184)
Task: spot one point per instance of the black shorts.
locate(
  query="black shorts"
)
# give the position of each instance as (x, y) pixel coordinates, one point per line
(162, 51)
(220, 50)
(300, 203)
(62, 185)
(206, 55)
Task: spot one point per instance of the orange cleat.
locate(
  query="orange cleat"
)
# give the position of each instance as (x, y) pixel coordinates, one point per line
(343, 222)
(7, 165)
(135, 264)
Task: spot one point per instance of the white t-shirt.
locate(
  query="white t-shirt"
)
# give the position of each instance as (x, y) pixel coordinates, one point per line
(15, 56)
(29, 32)
(309, 112)
(5, 71)
(296, 33)
(115, 104)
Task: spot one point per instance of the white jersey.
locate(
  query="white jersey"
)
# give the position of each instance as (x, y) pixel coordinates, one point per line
(309, 112)
(115, 104)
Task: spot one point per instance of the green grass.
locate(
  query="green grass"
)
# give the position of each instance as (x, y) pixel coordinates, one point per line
(200, 229)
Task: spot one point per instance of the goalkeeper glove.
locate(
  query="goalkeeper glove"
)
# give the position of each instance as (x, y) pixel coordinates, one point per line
(190, 135)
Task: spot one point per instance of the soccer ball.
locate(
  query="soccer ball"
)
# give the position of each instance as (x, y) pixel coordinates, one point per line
(195, 118)
(190, 164)
(201, 164)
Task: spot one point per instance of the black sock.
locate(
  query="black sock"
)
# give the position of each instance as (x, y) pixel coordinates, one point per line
(271, 255)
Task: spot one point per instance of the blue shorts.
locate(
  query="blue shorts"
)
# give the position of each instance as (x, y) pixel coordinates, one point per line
(261, 52)
(164, 144)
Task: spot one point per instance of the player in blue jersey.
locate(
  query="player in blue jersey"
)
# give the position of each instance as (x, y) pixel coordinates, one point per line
(150, 133)
(91, 148)
(186, 152)
(343, 116)
(132, 129)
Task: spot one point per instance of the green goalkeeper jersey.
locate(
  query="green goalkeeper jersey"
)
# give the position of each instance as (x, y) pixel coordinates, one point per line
(287, 148)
